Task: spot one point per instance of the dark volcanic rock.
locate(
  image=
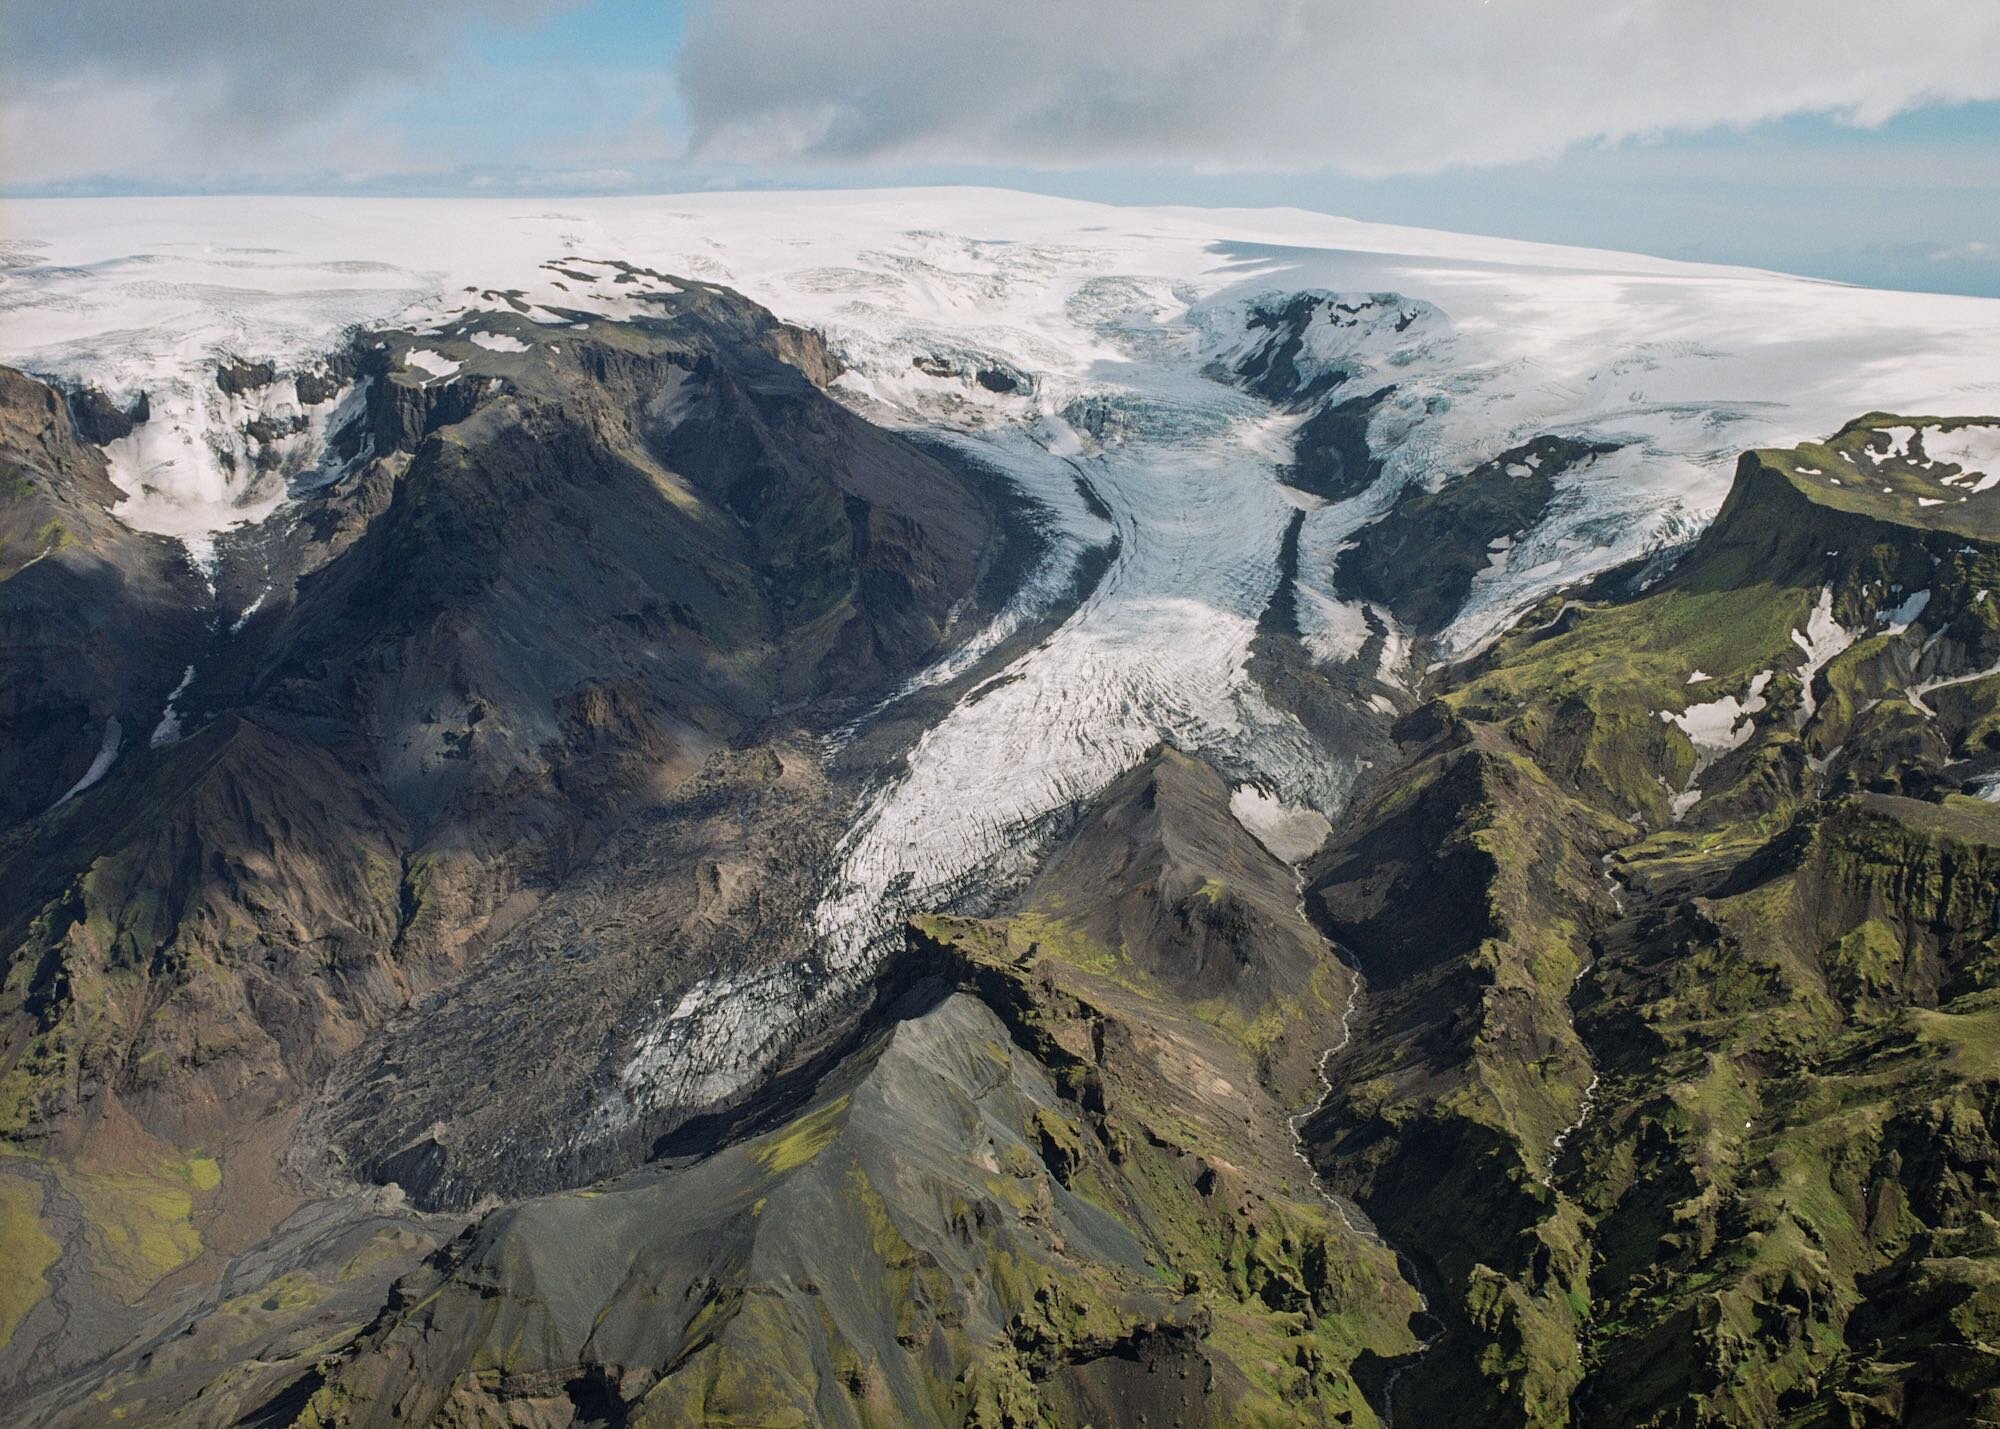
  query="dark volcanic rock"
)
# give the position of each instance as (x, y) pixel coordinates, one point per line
(1419, 559)
(324, 380)
(1330, 454)
(96, 620)
(1272, 370)
(98, 419)
(238, 377)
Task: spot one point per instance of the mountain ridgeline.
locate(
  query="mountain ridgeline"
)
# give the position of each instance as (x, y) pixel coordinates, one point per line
(1627, 1053)
(601, 567)
(1674, 1075)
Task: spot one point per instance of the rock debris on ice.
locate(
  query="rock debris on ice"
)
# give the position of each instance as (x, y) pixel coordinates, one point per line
(1082, 350)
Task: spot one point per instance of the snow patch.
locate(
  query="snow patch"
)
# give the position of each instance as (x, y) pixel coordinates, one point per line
(1902, 617)
(107, 752)
(1721, 725)
(1715, 728)
(1974, 450)
(1899, 443)
(1821, 640)
(168, 730)
(1289, 832)
(435, 363)
(243, 619)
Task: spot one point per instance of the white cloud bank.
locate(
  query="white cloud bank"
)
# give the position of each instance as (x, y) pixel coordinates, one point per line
(221, 91)
(1368, 87)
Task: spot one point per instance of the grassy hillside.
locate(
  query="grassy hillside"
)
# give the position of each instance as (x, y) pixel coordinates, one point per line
(1678, 1071)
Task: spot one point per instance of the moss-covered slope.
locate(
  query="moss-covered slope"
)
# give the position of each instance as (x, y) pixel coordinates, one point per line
(1675, 1074)
(1055, 1187)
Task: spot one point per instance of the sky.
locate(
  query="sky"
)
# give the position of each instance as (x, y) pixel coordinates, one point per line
(1848, 139)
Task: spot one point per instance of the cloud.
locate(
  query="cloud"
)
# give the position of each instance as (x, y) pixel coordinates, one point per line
(192, 89)
(1365, 87)
(1977, 251)
(200, 93)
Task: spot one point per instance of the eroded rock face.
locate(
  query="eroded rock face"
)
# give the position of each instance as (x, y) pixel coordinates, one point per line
(95, 618)
(494, 642)
(1052, 1179)
(1681, 1084)
(1420, 559)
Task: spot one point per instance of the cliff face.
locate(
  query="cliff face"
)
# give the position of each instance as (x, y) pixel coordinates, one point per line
(1679, 942)
(492, 643)
(93, 615)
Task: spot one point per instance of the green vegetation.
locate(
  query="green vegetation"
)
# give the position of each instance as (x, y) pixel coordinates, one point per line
(1776, 1204)
(52, 536)
(139, 1228)
(27, 1250)
(802, 1140)
(1061, 1196)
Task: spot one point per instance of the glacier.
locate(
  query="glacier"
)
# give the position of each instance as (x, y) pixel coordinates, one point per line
(1084, 351)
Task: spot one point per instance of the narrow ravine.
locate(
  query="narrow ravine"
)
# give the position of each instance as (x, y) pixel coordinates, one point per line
(1351, 1215)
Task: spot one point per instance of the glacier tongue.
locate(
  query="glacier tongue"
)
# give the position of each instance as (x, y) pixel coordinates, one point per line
(1075, 347)
(1157, 651)
(1185, 464)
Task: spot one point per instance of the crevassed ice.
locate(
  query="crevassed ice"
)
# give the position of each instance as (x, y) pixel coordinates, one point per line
(1112, 316)
(192, 469)
(1186, 466)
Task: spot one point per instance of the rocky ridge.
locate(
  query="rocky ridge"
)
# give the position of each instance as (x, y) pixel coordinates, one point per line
(398, 889)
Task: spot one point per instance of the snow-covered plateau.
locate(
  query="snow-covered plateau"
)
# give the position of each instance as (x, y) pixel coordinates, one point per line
(1083, 350)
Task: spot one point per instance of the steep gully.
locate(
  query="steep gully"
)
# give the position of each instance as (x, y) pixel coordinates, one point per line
(1351, 1215)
